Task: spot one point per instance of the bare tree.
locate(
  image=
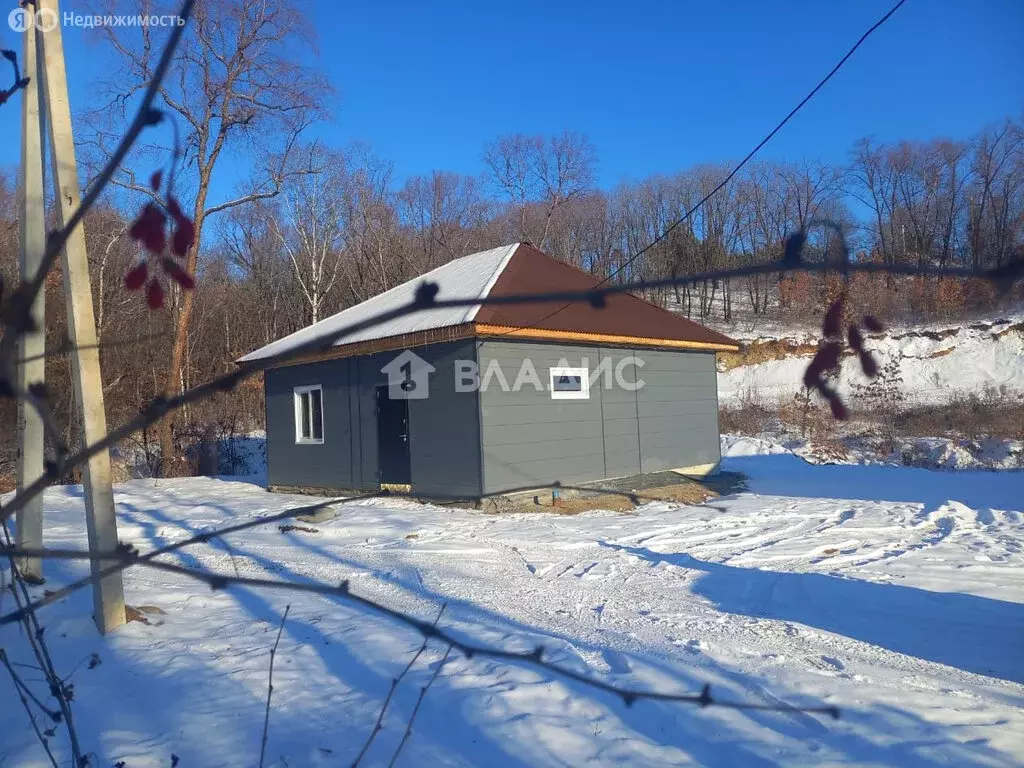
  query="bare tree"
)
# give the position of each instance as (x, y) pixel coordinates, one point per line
(374, 257)
(996, 197)
(539, 177)
(310, 227)
(251, 251)
(763, 226)
(873, 181)
(446, 216)
(235, 85)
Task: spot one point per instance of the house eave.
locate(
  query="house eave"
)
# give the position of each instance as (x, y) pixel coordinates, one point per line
(486, 331)
(580, 337)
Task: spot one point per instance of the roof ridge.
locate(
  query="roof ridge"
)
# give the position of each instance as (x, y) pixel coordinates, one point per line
(489, 285)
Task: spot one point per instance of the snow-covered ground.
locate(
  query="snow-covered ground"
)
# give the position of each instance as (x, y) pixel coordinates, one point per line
(924, 452)
(936, 363)
(894, 593)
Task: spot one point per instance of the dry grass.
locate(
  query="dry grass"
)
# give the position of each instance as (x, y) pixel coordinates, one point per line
(751, 415)
(763, 351)
(689, 492)
(1017, 328)
(991, 414)
(142, 613)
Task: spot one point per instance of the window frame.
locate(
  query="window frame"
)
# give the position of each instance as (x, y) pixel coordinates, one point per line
(583, 393)
(297, 393)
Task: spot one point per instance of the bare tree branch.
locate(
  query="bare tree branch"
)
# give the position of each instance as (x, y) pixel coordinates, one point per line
(391, 692)
(270, 685)
(37, 643)
(419, 701)
(127, 557)
(23, 694)
(144, 117)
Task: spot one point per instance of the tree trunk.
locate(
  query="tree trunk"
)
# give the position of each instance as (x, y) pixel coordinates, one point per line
(170, 462)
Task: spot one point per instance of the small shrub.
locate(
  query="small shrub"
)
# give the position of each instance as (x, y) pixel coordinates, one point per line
(750, 415)
(994, 412)
(884, 398)
(810, 414)
(830, 450)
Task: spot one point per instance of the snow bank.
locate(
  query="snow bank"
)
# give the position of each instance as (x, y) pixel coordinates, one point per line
(936, 364)
(741, 445)
(244, 455)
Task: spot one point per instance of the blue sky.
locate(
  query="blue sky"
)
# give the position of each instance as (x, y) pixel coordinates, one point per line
(657, 86)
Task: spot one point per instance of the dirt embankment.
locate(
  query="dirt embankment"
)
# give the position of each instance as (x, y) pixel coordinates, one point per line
(764, 350)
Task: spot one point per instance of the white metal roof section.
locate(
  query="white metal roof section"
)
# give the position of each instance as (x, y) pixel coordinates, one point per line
(469, 276)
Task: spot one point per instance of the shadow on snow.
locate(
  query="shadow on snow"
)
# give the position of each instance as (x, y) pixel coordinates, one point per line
(975, 634)
(468, 725)
(789, 475)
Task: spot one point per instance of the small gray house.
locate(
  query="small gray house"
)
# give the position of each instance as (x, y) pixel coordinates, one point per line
(468, 402)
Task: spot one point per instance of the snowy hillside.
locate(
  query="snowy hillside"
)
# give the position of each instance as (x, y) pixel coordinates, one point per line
(937, 364)
(896, 594)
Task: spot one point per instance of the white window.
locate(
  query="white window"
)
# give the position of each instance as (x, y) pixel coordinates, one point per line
(570, 384)
(309, 414)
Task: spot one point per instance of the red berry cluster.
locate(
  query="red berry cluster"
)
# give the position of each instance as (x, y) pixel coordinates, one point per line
(830, 354)
(150, 230)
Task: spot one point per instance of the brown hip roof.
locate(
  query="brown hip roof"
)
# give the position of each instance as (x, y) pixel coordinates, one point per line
(624, 315)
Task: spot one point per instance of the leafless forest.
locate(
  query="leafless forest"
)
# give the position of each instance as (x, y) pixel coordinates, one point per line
(319, 228)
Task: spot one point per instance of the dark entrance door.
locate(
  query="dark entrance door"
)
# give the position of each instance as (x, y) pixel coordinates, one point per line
(393, 438)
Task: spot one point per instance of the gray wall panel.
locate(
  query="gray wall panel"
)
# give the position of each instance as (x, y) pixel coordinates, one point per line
(502, 476)
(327, 465)
(678, 410)
(545, 450)
(468, 443)
(444, 428)
(614, 428)
(671, 408)
(617, 411)
(528, 437)
(669, 422)
(621, 431)
(618, 404)
(676, 379)
(537, 431)
(367, 368)
(563, 411)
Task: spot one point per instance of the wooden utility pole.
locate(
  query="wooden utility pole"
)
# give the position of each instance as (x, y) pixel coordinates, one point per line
(108, 594)
(31, 345)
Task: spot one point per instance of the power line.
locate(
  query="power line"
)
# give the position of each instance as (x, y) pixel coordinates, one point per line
(821, 84)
